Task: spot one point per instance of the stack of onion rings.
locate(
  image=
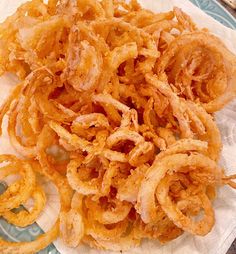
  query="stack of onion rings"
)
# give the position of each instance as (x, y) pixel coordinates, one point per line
(114, 106)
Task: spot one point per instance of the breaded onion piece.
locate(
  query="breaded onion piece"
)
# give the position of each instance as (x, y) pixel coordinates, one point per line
(88, 187)
(212, 134)
(43, 81)
(84, 62)
(114, 59)
(123, 243)
(148, 108)
(25, 189)
(122, 135)
(26, 151)
(45, 140)
(167, 135)
(71, 222)
(167, 165)
(212, 44)
(117, 213)
(184, 20)
(107, 178)
(184, 146)
(93, 6)
(6, 105)
(141, 153)
(106, 232)
(174, 100)
(128, 189)
(71, 227)
(201, 227)
(25, 218)
(89, 120)
(75, 142)
(109, 100)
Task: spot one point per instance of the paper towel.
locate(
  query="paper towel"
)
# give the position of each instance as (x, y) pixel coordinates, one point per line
(219, 240)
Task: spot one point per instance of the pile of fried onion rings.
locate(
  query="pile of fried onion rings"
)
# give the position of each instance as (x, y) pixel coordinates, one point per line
(115, 107)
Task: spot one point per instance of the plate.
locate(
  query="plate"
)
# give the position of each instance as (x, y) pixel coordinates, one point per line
(16, 234)
(217, 11)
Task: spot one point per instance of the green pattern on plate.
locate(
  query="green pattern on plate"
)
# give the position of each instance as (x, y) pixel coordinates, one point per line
(217, 11)
(16, 234)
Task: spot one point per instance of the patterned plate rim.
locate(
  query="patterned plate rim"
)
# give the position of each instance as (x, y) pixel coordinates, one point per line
(226, 11)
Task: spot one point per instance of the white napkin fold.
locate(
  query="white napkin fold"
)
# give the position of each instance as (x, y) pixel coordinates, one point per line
(224, 232)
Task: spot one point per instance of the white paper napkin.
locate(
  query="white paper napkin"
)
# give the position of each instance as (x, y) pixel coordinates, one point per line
(224, 232)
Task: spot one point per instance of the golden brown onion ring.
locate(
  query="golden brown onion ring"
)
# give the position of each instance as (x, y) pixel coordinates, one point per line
(213, 44)
(25, 188)
(24, 217)
(175, 102)
(117, 213)
(161, 167)
(212, 133)
(201, 227)
(72, 222)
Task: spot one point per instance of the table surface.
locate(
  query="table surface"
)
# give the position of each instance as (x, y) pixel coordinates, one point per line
(231, 10)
